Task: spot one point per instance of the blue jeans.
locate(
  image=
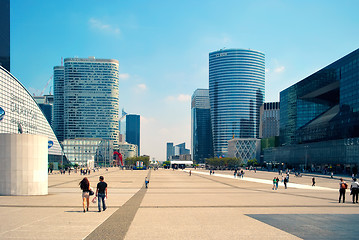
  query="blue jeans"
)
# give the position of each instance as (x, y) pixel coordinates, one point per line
(101, 198)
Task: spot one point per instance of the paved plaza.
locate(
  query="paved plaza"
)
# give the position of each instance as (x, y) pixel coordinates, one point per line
(179, 206)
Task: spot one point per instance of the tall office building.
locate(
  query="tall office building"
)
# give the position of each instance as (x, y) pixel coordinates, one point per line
(269, 120)
(58, 117)
(170, 150)
(319, 119)
(90, 98)
(5, 34)
(130, 129)
(236, 92)
(202, 143)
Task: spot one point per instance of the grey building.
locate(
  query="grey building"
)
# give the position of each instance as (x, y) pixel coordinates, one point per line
(90, 98)
(269, 120)
(58, 117)
(46, 103)
(201, 129)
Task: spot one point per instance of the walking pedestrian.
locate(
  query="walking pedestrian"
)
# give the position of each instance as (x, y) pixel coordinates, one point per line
(354, 187)
(190, 172)
(313, 181)
(286, 180)
(342, 188)
(146, 182)
(274, 183)
(85, 187)
(331, 175)
(101, 193)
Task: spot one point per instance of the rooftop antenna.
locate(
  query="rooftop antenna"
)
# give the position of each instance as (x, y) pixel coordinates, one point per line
(62, 62)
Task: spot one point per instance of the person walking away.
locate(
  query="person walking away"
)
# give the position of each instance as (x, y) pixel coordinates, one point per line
(274, 182)
(235, 173)
(101, 193)
(285, 182)
(85, 187)
(313, 182)
(342, 188)
(331, 175)
(354, 187)
(190, 172)
(146, 182)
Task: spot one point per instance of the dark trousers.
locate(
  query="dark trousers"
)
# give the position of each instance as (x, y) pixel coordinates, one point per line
(342, 193)
(355, 192)
(101, 198)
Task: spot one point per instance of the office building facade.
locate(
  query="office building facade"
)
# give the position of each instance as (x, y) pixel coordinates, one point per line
(90, 98)
(201, 129)
(319, 118)
(269, 120)
(130, 126)
(58, 117)
(236, 92)
(5, 34)
(46, 103)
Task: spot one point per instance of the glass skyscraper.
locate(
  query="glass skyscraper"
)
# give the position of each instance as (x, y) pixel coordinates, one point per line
(58, 117)
(130, 129)
(90, 98)
(236, 92)
(202, 143)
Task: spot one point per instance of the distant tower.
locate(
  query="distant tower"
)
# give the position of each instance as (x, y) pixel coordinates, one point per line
(58, 117)
(5, 34)
(202, 141)
(130, 128)
(236, 92)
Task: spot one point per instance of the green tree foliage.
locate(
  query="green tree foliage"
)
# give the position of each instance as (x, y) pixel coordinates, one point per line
(226, 162)
(132, 160)
(253, 162)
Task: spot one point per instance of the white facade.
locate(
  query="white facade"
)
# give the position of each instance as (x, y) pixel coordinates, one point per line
(244, 149)
(23, 162)
(128, 150)
(19, 113)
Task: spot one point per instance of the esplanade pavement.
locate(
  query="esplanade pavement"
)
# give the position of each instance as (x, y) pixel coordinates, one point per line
(178, 205)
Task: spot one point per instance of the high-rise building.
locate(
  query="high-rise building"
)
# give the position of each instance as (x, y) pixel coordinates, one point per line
(269, 120)
(130, 129)
(5, 34)
(236, 92)
(58, 123)
(170, 150)
(202, 143)
(46, 105)
(90, 98)
(319, 119)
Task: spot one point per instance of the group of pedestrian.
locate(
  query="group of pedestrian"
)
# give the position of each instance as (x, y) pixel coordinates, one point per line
(101, 193)
(85, 171)
(237, 173)
(354, 190)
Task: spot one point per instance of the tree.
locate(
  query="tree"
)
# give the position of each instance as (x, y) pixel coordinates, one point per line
(253, 162)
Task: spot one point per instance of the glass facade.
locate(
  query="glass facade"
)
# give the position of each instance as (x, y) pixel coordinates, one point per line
(90, 99)
(5, 34)
(58, 117)
(319, 116)
(202, 143)
(130, 127)
(19, 113)
(236, 92)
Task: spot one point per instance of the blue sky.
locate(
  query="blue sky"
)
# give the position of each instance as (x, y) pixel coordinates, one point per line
(163, 47)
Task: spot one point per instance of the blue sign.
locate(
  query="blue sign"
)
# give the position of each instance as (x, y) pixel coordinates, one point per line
(51, 143)
(2, 113)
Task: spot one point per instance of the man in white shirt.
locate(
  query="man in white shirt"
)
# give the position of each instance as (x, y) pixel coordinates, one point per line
(354, 187)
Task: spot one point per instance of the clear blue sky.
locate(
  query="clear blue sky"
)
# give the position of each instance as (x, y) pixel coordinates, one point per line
(163, 47)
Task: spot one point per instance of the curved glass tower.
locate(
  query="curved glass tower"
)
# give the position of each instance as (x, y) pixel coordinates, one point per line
(236, 92)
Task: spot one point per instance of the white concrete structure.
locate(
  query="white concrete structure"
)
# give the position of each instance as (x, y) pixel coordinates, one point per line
(127, 150)
(244, 148)
(23, 162)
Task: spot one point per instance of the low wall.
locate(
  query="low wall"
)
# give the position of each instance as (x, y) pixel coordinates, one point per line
(23, 164)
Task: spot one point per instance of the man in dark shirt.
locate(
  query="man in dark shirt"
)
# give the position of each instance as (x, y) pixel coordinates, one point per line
(101, 193)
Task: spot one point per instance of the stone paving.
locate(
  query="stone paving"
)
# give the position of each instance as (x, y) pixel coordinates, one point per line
(179, 206)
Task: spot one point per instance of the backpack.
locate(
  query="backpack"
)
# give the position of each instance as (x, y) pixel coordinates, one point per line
(344, 186)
